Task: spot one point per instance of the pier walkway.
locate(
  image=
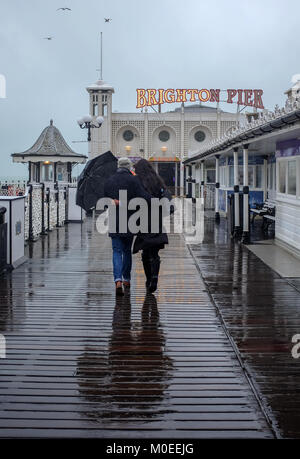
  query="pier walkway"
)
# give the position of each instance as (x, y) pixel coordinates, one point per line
(81, 364)
(260, 309)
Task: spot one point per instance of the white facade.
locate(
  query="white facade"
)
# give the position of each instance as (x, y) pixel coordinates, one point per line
(139, 134)
(273, 142)
(288, 203)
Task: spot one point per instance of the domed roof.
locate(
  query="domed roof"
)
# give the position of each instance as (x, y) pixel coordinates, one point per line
(100, 85)
(198, 108)
(50, 143)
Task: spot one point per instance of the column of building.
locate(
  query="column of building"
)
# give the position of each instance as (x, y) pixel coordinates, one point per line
(265, 177)
(193, 178)
(146, 135)
(245, 237)
(217, 214)
(182, 174)
(236, 190)
(202, 180)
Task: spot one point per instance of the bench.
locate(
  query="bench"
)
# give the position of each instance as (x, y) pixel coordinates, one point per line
(267, 221)
(266, 211)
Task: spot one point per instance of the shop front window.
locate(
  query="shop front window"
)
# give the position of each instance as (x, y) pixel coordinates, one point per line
(210, 176)
(271, 180)
(223, 175)
(231, 175)
(251, 176)
(241, 174)
(282, 177)
(258, 183)
(292, 167)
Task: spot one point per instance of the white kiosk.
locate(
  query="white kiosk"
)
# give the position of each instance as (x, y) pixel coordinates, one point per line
(75, 213)
(15, 219)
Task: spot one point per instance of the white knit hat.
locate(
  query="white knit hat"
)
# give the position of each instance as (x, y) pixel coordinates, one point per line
(125, 162)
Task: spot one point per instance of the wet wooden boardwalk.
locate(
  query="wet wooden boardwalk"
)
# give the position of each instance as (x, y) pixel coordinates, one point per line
(81, 364)
(261, 312)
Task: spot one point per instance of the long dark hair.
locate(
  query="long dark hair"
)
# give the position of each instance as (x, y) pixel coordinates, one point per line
(150, 180)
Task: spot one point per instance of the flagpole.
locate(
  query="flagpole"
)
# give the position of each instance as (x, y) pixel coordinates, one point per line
(101, 57)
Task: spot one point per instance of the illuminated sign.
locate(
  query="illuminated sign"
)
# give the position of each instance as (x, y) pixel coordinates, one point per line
(247, 97)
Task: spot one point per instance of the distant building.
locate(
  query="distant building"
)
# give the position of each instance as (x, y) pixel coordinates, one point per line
(164, 138)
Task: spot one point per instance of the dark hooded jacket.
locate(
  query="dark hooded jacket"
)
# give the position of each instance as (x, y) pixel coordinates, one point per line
(153, 240)
(123, 179)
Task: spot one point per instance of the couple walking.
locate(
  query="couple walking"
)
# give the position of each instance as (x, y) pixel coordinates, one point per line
(142, 182)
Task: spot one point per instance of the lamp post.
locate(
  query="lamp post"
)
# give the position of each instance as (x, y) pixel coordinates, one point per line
(86, 122)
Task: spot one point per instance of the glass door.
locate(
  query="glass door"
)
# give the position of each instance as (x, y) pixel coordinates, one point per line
(167, 172)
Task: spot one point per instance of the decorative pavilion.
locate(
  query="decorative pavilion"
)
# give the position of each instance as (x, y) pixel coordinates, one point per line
(50, 159)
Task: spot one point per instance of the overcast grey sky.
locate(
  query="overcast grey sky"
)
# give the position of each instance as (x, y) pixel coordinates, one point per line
(148, 44)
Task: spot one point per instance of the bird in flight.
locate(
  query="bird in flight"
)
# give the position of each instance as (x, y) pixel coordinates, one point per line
(107, 19)
(48, 38)
(64, 9)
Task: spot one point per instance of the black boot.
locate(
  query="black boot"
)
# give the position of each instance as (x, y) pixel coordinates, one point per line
(147, 269)
(155, 264)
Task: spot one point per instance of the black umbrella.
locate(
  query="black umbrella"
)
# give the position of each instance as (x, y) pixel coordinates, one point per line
(92, 179)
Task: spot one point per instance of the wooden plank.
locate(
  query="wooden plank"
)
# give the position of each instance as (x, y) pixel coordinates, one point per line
(81, 364)
(261, 313)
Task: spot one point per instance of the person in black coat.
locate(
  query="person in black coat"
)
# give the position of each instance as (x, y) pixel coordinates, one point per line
(151, 243)
(122, 238)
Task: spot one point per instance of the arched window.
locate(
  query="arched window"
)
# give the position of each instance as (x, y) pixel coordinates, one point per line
(199, 136)
(164, 136)
(128, 135)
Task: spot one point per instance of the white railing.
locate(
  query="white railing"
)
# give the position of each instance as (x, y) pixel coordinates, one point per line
(263, 118)
(45, 208)
(46, 205)
(12, 187)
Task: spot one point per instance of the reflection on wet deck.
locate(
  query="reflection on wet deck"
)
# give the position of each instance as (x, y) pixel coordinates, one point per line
(81, 364)
(261, 311)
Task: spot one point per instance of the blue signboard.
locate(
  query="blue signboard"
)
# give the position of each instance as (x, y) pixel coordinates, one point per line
(255, 197)
(252, 160)
(288, 148)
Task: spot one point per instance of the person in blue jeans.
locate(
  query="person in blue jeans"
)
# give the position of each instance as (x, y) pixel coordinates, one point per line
(122, 260)
(125, 180)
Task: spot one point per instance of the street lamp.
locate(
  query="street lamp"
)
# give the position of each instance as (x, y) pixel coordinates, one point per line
(86, 123)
